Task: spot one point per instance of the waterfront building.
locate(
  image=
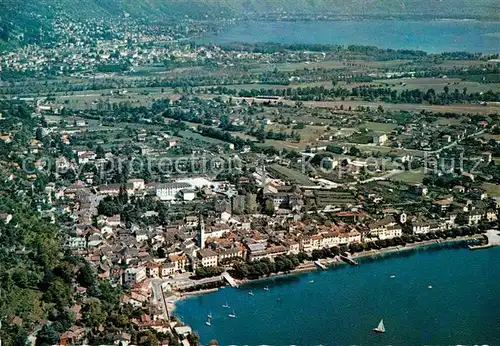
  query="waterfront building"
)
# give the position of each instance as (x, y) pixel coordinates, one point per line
(293, 246)
(385, 228)
(208, 258)
(419, 225)
(231, 253)
(168, 269)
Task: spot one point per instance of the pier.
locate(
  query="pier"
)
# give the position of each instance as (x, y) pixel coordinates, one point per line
(493, 236)
(349, 260)
(229, 279)
(320, 265)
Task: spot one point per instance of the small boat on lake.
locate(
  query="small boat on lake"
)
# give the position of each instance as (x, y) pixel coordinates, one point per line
(311, 281)
(208, 322)
(226, 306)
(266, 288)
(380, 328)
(250, 293)
(209, 315)
(233, 315)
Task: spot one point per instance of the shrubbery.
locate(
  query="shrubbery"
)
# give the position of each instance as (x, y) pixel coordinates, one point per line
(263, 267)
(207, 272)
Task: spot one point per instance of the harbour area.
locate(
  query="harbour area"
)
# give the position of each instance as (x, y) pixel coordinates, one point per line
(174, 297)
(308, 266)
(320, 265)
(492, 239)
(382, 287)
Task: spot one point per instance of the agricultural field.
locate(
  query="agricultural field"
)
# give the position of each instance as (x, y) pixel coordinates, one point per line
(437, 84)
(378, 127)
(489, 136)
(330, 64)
(293, 175)
(460, 63)
(307, 134)
(282, 145)
(258, 86)
(188, 134)
(417, 108)
(409, 177)
(492, 190)
(449, 121)
(490, 108)
(103, 98)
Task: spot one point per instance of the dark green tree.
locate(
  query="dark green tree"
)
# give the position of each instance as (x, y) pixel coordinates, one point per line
(86, 276)
(47, 336)
(59, 293)
(93, 313)
(269, 207)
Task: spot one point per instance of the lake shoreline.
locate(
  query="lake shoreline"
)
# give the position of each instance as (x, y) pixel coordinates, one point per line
(444, 35)
(310, 266)
(330, 263)
(419, 289)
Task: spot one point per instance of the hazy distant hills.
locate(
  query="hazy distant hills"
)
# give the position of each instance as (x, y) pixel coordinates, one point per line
(26, 16)
(201, 8)
(451, 8)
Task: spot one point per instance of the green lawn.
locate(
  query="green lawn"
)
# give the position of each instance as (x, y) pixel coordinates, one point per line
(448, 121)
(409, 177)
(293, 175)
(493, 190)
(378, 127)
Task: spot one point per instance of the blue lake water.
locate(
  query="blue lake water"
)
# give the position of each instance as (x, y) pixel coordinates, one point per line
(343, 304)
(432, 35)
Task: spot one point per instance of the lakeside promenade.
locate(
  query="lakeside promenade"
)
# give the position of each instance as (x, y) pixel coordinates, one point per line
(437, 277)
(311, 266)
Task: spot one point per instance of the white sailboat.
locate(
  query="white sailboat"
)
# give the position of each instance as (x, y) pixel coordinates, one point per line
(209, 315)
(266, 288)
(233, 315)
(226, 306)
(250, 293)
(208, 322)
(380, 328)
